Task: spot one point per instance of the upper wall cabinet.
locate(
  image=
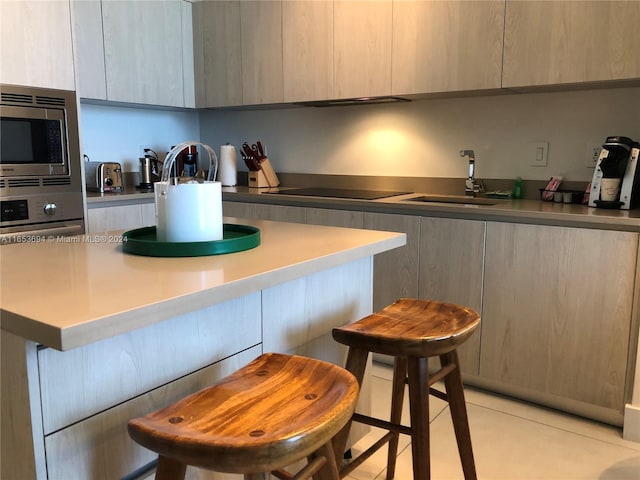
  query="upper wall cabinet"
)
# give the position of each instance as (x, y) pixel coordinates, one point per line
(141, 48)
(447, 46)
(238, 52)
(35, 44)
(89, 44)
(261, 40)
(362, 36)
(217, 29)
(307, 34)
(565, 42)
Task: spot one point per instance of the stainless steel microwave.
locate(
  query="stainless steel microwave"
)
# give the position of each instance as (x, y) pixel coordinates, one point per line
(35, 132)
(40, 167)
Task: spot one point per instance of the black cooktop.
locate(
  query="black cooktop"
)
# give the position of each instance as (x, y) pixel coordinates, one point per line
(340, 193)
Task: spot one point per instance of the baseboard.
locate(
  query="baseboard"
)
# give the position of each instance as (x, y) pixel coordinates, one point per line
(631, 426)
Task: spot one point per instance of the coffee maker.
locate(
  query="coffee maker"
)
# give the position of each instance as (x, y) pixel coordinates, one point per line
(616, 180)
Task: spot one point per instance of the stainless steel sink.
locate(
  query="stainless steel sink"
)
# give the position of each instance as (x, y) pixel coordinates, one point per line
(458, 199)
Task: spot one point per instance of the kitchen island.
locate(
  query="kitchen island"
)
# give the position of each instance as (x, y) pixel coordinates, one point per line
(92, 337)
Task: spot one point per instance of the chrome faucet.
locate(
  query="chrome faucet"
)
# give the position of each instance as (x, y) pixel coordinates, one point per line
(471, 187)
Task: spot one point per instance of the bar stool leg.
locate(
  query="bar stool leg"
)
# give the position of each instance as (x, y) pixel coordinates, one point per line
(329, 470)
(356, 364)
(419, 408)
(455, 395)
(169, 469)
(397, 397)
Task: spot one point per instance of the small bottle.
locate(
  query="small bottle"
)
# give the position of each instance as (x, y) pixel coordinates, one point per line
(190, 161)
(517, 188)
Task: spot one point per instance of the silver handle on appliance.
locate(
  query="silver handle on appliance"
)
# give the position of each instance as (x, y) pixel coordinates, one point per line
(35, 235)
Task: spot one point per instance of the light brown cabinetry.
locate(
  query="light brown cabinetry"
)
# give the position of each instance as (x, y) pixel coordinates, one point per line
(362, 36)
(89, 45)
(135, 52)
(219, 26)
(120, 217)
(395, 273)
(447, 46)
(451, 270)
(557, 310)
(36, 44)
(307, 45)
(334, 218)
(261, 42)
(565, 42)
(280, 213)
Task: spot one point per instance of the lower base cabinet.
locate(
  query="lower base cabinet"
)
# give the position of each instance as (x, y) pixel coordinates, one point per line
(557, 313)
(395, 273)
(120, 217)
(451, 270)
(556, 302)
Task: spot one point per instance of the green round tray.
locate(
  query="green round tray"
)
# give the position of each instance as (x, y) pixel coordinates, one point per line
(235, 238)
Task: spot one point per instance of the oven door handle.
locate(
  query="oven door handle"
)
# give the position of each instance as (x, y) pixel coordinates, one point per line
(40, 235)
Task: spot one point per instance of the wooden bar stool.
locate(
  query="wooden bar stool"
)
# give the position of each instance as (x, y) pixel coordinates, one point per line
(411, 331)
(273, 412)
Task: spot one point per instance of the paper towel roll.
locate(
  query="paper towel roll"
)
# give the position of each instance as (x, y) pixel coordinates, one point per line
(228, 175)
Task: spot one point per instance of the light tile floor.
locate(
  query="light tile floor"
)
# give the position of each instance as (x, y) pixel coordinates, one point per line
(511, 440)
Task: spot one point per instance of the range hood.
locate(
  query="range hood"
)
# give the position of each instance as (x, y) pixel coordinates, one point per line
(354, 101)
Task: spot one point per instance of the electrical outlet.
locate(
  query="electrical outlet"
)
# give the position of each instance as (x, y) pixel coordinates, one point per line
(592, 153)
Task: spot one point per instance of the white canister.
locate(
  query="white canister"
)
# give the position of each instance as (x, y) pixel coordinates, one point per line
(188, 212)
(227, 169)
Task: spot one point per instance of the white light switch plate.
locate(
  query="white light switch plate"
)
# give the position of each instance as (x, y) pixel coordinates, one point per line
(537, 153)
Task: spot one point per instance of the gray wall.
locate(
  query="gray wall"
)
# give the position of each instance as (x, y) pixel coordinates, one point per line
(423, 138)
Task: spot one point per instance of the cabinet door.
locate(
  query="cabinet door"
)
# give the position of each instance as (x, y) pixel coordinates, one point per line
(35, 44)
(362, 63)
(278, 213)
(220, 24)
(447, 46)
(557, 310)
(120, 217)
(562, 42)
(334, 218)
(89, 45)
(307, 35)
(395, 273)
(451, 270)
(143, 51)
(261, 40)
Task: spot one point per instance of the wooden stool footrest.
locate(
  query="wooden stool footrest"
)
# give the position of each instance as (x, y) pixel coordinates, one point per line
(360, 459)
(439, 394)
(440, 374)
(305, 473)
(376, 422)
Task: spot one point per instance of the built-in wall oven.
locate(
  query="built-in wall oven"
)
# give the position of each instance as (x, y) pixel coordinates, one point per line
(40, 164)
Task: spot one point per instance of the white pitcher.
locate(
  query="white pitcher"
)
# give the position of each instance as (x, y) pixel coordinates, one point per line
(192, 211)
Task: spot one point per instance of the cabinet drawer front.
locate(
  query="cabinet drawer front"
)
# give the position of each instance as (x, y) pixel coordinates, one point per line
(99, 447)
(81, 382)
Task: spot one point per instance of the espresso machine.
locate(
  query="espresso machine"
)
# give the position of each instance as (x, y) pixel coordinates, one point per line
(149, 170)
(616, 180)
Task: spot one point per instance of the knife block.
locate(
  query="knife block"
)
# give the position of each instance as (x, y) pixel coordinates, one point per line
(265, 177)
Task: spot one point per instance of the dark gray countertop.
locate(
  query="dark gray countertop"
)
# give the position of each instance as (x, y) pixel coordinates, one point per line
(518, 211)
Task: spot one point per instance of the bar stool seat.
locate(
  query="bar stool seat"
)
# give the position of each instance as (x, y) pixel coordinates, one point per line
(412, 331)
(273, 412)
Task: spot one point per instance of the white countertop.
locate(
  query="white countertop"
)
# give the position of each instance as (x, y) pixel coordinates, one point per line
(69, 292)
